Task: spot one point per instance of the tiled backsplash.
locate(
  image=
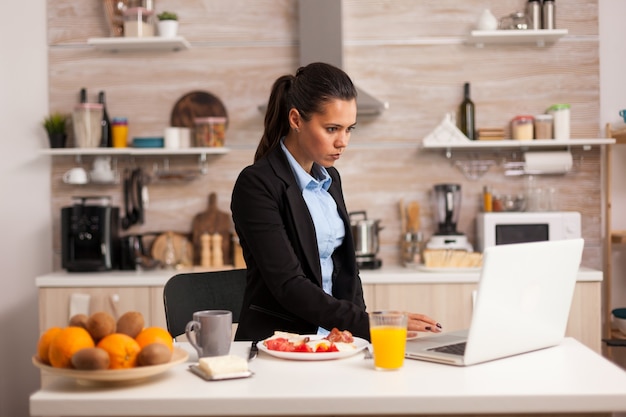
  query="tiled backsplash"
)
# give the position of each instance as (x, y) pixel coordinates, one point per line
(411, 54)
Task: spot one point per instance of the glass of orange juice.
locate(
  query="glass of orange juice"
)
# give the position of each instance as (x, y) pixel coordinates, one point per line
(388, 334)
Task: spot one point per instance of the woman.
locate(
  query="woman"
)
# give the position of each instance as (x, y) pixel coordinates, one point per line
(290, 215)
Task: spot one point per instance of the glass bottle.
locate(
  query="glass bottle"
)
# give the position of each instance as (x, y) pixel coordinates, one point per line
(533, 10)
(466, 114)
(549, 14)
(106, 140)
(169, 253)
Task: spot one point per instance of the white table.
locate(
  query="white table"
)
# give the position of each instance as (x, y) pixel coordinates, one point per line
(565, 379)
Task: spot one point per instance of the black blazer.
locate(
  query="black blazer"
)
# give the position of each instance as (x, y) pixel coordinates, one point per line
(284, 282)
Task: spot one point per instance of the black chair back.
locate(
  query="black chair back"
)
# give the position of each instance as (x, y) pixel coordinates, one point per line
(187, 293)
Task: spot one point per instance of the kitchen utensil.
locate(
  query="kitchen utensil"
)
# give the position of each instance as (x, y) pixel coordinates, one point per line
(196, 104)
(76, 175)
(254, 351)
(413, 213)
(365, 235)
(212, 221)
(89, 235)
(180, 244)
(210, 332)
(447, 206)
(133, 253)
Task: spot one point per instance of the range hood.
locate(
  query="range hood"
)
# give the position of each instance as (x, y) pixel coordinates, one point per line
(321, 40)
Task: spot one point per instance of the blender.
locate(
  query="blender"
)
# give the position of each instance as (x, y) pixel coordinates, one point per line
(447, 201)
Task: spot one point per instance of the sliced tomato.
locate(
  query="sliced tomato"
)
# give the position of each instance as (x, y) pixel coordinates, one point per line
(280, 344)
(333, 348)
(302, 347)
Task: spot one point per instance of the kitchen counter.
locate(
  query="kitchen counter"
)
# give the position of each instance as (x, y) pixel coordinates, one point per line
(156, 278)
(565, 379)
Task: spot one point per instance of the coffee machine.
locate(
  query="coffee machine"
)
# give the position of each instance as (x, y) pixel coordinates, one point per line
(89, 235)
(447, 207)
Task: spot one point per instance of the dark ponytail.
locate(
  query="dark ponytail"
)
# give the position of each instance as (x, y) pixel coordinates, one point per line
(307, 92)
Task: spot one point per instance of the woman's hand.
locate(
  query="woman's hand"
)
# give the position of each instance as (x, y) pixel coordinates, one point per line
(422, 323)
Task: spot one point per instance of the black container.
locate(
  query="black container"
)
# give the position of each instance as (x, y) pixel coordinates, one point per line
(89, 235)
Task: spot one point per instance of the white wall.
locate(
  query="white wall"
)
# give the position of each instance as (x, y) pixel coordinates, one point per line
(25, 216)
(612, 100)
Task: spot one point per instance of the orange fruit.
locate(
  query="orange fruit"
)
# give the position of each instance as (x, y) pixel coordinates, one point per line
(67, 342)
(122, 350)
(44, 344)
(155, 335)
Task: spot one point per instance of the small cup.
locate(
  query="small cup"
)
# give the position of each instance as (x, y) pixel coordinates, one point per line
(172, 137)
(623, 114)
(388, 334)
(76, 175)
(212, 332)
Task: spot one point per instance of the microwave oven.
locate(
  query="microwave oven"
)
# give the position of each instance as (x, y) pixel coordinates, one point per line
(501, 228)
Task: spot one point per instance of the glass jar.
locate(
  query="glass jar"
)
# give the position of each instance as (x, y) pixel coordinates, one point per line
(561, 114)
(119, 131)
(210, 131)
(138, 22)
(522, 127)
(87, 123)
(543, 126)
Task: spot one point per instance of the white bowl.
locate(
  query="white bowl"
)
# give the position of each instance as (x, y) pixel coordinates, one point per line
(619, 324)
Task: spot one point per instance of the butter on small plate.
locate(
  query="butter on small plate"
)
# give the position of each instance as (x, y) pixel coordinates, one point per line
(218, 368)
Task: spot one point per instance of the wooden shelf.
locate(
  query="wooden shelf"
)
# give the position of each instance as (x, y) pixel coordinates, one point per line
(618, 236)
(520, 144)
(151, 43)
(619, 136)
(540, 37)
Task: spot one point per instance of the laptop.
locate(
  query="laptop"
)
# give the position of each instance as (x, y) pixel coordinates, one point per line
(522, 304)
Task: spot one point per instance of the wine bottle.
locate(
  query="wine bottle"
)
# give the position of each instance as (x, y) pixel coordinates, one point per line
(466, 112)
(106, 141)
(83, 95)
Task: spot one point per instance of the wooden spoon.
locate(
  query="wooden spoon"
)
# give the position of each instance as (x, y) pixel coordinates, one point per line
(413, 212)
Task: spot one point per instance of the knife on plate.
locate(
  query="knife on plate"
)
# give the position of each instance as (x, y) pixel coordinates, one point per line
(254, 351)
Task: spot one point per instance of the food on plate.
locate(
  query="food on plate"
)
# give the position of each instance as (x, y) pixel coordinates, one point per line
(155, 334)
(154, 354)
(100, 324)
(122, 350)
(124, 342)
(335, 341)
(67, 342)
(91, 359)
(130, 323)
(452, 258)
(222, 365)
(43, 346)
(79, 320)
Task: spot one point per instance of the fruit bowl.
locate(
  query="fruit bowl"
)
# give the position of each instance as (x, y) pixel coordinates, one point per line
(114, 375)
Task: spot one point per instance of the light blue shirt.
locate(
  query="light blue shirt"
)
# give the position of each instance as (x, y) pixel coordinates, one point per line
(329, 228)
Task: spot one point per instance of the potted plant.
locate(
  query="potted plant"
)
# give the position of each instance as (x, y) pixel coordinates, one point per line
(168, 24)
(55, 125)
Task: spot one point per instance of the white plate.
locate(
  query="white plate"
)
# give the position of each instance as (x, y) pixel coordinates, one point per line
(316, 356)
(423, 268)
(114, 375)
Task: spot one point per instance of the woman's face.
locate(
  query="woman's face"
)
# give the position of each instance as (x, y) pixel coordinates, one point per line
(323, 138)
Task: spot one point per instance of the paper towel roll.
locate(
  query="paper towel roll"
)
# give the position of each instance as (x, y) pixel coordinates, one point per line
(548, 162)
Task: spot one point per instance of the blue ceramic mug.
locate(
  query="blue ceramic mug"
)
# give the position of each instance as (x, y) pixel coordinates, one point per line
(623, 114)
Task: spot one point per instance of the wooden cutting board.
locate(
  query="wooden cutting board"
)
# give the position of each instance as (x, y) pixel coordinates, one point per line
(196, 104)
(211, 221)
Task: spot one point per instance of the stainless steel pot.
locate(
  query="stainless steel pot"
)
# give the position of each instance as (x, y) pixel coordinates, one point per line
(364, 233)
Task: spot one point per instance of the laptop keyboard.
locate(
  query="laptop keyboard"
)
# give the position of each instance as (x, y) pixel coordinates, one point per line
(455, 349)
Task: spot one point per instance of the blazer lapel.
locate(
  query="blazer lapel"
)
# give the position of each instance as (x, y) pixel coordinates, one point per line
(299, 210)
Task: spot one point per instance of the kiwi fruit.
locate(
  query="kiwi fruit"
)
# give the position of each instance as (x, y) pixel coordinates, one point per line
(90, 359)
(130, 323)
(79, 320)
(100, 324)
(154, 354)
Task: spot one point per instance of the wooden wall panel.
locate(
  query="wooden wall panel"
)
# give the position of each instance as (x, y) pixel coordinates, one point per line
(411, 54)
